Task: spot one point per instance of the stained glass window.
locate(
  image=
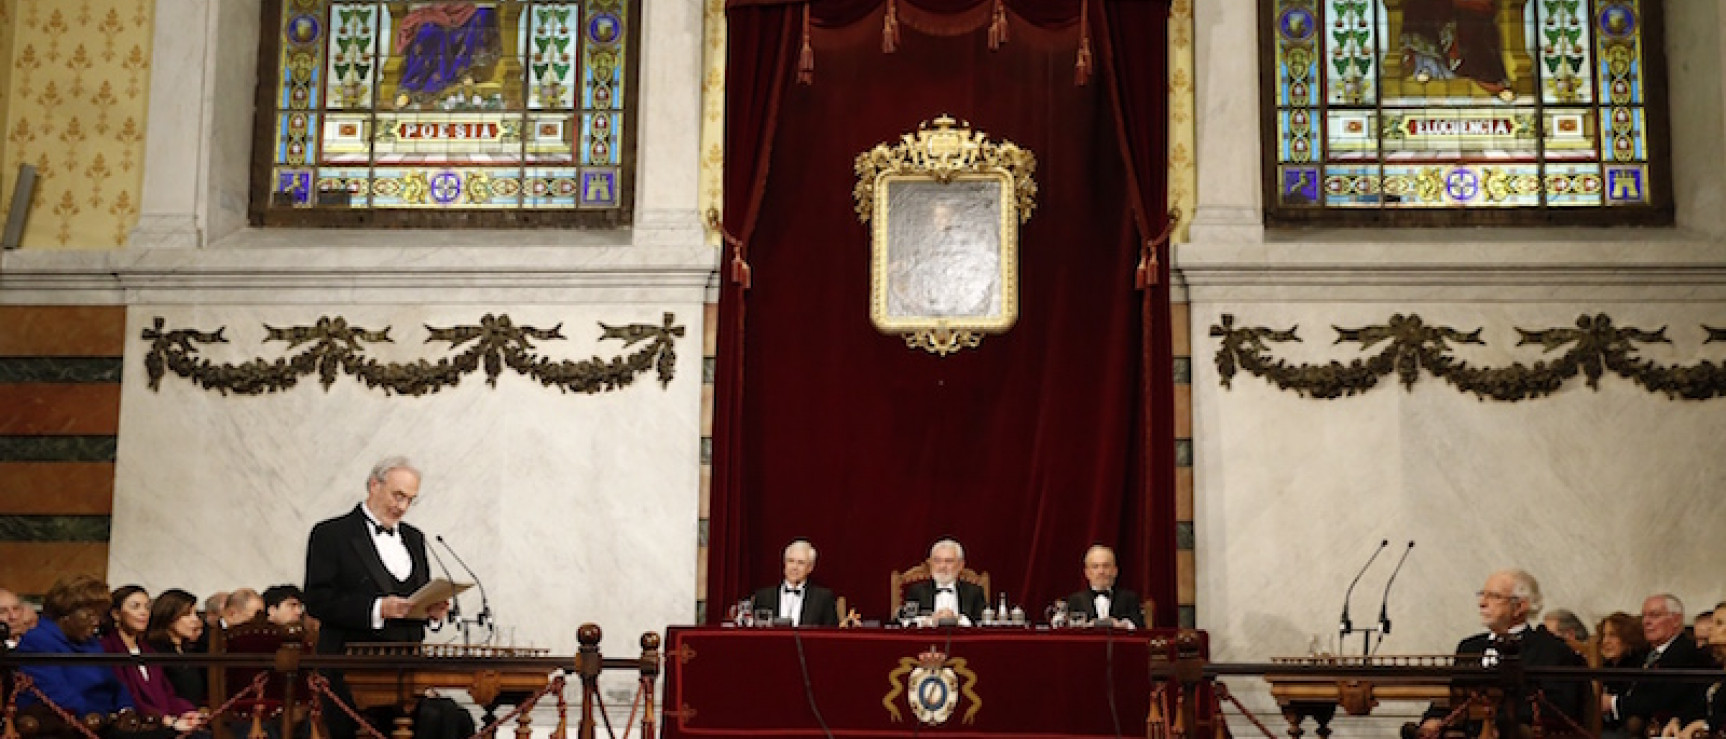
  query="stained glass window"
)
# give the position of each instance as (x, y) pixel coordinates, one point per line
(1491, 110)
(447, 113)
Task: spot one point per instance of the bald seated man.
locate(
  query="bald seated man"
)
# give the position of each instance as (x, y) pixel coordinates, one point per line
(1101, 596)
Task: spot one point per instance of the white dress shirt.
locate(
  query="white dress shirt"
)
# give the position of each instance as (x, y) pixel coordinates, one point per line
(393, 551)
(791, 603)
(947, 597)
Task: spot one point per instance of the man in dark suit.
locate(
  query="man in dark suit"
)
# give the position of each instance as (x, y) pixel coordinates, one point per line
(360, 568)
(1118, 604)
(796, 599)
(1653, 703)
(1507, 602)
(944, 594)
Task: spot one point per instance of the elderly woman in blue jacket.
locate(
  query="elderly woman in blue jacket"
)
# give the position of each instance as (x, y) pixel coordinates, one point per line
(72, 610)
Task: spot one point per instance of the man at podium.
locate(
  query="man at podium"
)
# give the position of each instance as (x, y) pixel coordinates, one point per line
(796, 599)
(360, 568)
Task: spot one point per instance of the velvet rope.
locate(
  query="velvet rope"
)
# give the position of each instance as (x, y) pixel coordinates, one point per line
(321, 686)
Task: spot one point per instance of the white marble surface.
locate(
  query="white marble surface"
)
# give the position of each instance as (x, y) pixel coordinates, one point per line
(572, 508)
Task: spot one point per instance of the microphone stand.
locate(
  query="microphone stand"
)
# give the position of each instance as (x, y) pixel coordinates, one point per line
(484, 618)
(1384, 604)
(1347, 627)
(454, 616)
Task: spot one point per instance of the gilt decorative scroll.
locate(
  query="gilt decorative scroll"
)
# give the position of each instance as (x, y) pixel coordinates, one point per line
(332, 347)
(945, 204)
(1592, 349)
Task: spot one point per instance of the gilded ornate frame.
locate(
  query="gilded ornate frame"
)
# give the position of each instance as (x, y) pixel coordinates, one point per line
(945, 205)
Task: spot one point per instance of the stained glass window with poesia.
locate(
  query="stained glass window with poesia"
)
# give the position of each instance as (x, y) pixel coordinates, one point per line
(490, 113)
(1495, 110)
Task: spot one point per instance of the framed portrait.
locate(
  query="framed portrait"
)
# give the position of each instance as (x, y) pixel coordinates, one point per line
(945, 207)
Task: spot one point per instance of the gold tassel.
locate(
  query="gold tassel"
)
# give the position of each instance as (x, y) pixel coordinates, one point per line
(998, 28)
(1082, 67)
(890, 28)
(806, 59)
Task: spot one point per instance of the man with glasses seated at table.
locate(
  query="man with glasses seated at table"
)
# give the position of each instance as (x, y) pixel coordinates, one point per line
(795, 599)
(944, 595)
(1507, 603)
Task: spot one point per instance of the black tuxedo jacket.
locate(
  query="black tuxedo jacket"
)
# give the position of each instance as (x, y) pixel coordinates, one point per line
(1659, 700)
(1124, 604)
(972, 601)
(820, 608)
(1539, 648)
(345, 575)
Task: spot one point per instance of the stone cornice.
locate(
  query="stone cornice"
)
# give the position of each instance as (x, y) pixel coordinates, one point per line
(1456, 266)
(509, 272)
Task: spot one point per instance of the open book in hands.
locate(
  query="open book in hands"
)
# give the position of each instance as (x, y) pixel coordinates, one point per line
(433, 593)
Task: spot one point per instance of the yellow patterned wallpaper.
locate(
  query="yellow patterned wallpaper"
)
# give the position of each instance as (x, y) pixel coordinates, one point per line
(76, 96)
(1183, 171)
(713, 111)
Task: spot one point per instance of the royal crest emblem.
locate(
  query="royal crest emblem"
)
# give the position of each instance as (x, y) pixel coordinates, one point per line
(930, 682)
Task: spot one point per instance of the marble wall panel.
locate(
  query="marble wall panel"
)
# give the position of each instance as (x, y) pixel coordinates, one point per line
(571, 507)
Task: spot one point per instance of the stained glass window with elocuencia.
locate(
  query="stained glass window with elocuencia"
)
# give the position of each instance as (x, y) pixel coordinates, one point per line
(1506, 111)
(490, 113)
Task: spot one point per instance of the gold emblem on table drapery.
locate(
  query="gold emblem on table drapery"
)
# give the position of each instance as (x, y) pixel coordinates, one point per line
(944, 205)
(930, 683)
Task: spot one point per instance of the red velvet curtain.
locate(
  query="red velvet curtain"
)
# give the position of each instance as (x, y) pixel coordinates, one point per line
(1027, 449)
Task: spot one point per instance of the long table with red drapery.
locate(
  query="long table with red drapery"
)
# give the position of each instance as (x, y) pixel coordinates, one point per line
(725, 682)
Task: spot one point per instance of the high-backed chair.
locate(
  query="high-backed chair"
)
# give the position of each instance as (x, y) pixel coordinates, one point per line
(282, 699)
(898, 581)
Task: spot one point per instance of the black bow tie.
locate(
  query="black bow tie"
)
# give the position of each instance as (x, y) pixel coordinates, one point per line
(944, 590)
(794, 591)
(1104, 593)
(383, 530)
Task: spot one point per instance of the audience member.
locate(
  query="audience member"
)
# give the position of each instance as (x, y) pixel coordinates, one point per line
(284, 605)
(74, 608)
(175, 628)
(213, 606)
(243, 605)
(1564, 624)
(1651, 704)
(128, 619)
(1703, 628)
(1508, 600)
(1715, 720)
(12, 614)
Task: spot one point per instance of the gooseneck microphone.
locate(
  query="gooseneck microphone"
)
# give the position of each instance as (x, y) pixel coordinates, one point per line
(484, 618)
(455, 602)
(1384, 605)
(1347, 626)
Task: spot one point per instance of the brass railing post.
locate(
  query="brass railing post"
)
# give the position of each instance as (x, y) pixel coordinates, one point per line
(588, 663)
(649, 678)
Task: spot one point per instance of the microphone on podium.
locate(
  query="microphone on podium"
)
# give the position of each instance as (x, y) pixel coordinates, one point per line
(1347, 626)
(484, 618)
(1384, 605)
(455, 602)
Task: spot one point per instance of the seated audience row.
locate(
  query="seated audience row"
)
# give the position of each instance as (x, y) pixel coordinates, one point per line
(82, 616)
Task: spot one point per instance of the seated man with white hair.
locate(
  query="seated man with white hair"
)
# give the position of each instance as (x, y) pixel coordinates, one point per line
(795, 599)
(944, 594)
(1510, 599)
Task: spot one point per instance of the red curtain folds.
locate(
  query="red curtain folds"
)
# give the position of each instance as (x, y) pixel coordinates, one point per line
(1043, 440)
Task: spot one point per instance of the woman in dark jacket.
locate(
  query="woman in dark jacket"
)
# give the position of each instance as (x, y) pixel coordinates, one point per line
(174, 629)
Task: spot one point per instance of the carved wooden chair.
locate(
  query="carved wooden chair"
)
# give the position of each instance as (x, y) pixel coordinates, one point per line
(284, 700)
(898, 581)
